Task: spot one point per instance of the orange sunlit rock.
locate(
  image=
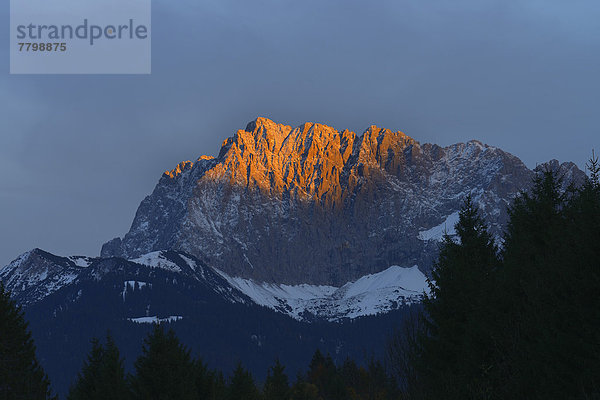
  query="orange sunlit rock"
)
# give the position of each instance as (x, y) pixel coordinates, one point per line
(308, 162)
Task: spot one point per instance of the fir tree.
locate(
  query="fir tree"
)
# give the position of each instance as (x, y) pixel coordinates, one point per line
(403, 352)
(594, 167)
(453, 351)
(531, 248)
(550, 343)
(21, 376)
(302, 390)
(165, 369)
(526, 324)
(379, 384)
(323, 374)
(353, 377)
(582, 318)
(102, 375)
(276, 385)
(210, 385)
(242, 385)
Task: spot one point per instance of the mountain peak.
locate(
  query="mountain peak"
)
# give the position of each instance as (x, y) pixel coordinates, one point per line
(303, 162)
(263, 122)
(180, 168)
(313, 204)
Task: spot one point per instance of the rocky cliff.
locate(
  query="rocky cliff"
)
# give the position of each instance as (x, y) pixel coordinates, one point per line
(315, 205)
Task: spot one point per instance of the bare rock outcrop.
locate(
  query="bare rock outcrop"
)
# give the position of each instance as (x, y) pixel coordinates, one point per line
(312, 204)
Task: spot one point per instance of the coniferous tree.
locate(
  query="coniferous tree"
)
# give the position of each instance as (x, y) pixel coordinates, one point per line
(302, 390)
(276, 385)
(102, 375)
(21, 376)
(594, 167)
(526, 324)
(242, 385)
(322, 372)
(88, 377)
(579, 321)
(210, 384)
(403, 353)
(113, 371)
(532, 252)
(550, 345)
(454, 348)
(218, 386)
(165, 369)
(379, 384)
(203, 379)
(353, 378)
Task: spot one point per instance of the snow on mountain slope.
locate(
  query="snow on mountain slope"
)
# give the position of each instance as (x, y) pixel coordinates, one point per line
(82, 261)
(155, 319)
(372, 294)
(36, 274)
(157, 259)
(369, 295)
(437, 232)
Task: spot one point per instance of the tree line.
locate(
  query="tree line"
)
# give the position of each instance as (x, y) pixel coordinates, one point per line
(166, 370)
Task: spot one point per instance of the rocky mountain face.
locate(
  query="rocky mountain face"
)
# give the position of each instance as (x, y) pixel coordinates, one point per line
(315, 205)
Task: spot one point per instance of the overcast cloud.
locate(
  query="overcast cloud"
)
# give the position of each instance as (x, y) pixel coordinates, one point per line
(78, 153)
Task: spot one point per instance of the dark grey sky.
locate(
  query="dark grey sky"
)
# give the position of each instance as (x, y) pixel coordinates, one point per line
(78, 153)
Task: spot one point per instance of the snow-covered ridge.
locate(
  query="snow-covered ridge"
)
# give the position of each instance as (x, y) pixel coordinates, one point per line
(372, 294)
(15, 263)
(82, 261)
(157, 259)
(38, 274)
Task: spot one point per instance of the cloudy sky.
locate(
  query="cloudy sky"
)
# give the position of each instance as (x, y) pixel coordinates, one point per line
(78, 153)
